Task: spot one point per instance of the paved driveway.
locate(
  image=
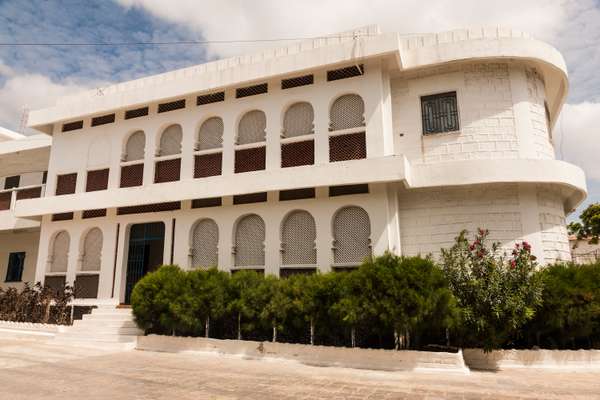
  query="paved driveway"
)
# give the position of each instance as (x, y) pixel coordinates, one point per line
(33, 370)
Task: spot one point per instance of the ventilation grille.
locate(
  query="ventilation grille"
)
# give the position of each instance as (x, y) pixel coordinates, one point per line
(347, 147)
(251, 90)
(134, 149)
(297, 194)
(92, 250)
(208, 165)
(60, 252)
(86, 286)
(298, 234)
(96, 180)
(62, 216)
(210, 98)
(72, 126)
(249, 242)
(250, 198)
(210, 134)
(136, 113)
(298, 120)
(171, 106)
(205, 239)
(103, 120)
(33, 193)
(351, 233)
(343, 73)
(149, 208)
(65, 184)
(167, 171)
(101, 212)
(297, 81)
(55, 283)
(347, 111)
(204, 203)
(132, 175)
(250, 159)
(299, 153)
(348, 189)
(252, 128)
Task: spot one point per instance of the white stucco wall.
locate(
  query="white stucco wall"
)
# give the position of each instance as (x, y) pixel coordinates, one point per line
(19, 241)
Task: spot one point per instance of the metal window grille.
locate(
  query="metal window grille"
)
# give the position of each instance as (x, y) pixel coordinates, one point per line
(297, 194)
(252, 127)
(298, 120)
(298, 153)
(251, 90)
(149, 208)
(439, 113)
(297, 81)
(136, 113)
(65, 184)
(351, 233)
(132, 175)
(210, 135)
(167, 170)
(12, 182)
(205, 240)
(103, 120)
(298, 235)
(72, 126)
(60, 252)
(86, 286)
(170, 141)
(101, 212)
(210, 98)
(347, 72)
(343, 190)
(92, 250)
(249, 198)
(250, 159)
(32, 193)
(171, 106)
(135, 147)
(351, 146)
(205, 203)
(5, 198)
(55, 283)
(208, 165)
(287, 272)
(97, 180)
(249, 241)
(347, 111)
(62, 216)
(16, 264)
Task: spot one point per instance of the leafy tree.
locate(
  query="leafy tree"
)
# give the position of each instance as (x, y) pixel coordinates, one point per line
(244, 298)
(206, 297)
(309, 295)
(276, 303)
(351, 307)
(589, 227)
(497, 296)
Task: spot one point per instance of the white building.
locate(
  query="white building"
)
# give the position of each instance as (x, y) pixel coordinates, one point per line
(311, 156)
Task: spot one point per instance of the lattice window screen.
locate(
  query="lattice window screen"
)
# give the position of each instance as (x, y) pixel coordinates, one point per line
(60, 252)
(252, 127)
(205, 240)
(347, 111)
(298, 234)
(298, 120)
(249, 241)
(351, 233)
(134, 149)
(92, 250)
(170, 141)
(210, 135)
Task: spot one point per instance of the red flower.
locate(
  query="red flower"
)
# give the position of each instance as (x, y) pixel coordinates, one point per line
(513, 264)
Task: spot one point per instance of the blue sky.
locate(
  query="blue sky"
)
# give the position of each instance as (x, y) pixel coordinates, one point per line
(32, 77)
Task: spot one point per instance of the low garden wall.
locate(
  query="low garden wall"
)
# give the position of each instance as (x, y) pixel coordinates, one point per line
(567, 360)
(327, 356)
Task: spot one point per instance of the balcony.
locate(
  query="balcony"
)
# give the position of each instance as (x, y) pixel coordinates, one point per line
(8, 202)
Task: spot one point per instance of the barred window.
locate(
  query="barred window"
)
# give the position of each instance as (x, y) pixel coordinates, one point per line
(347, 111)
(252, 127)
(298, 235)
(210, 135)
(66, 184)
(249, 241)
(351, 234)
(92, 250)
(170, 141)
(298, 120)
(439, 113)
(60, 252)
(205, 240)
(135, 147)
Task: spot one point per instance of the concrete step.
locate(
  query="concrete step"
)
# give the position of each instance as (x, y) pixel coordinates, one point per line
(99, 345)
(84, 330)
(107, 317)
(94, 324)
(97, 337)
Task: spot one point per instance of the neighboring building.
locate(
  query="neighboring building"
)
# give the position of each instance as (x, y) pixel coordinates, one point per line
(312, 156)
(582, 251)
(23, 162)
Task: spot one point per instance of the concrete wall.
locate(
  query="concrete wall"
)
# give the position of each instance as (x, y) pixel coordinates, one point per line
(17, 241)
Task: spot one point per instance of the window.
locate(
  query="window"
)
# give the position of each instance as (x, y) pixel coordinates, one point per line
(297, 81)
(298, 235)
(103, 120)
(205, 240)
(170, 141)
(92, 250)
(347, 111)
(59, 256)
(251, 90)
(249, 241)
(347, 123)
(136, 113)
(351, 234)
(65, 184)
(439, 113)
(298, 120)
(252, 128)
(135, 147)
(72, 126)
(12, 182)
(96, 180)
(343, 73)
(171, 106)
(209, 142)
(210, 98)
(16, 264)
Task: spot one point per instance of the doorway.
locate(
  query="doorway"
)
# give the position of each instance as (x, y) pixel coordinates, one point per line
(146, 250)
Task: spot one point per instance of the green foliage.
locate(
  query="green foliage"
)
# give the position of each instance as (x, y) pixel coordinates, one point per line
(244, 300)
(497, 296)
(37, 304)
(589, 227)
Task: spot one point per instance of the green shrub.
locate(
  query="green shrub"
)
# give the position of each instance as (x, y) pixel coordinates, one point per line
(244, 300)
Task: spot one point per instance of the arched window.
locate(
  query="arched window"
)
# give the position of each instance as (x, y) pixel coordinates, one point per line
(134, 148)
(298, 120)
(60, 252)
(351, 234)
(92, 250)
(252, 127)
(298, 234)
(210, 135)
(205, 240)
(170, 141)
(347, 111)
(249, 241)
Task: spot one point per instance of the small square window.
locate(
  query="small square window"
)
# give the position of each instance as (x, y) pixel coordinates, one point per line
(439, 113)
(12, 182)
(16, 263)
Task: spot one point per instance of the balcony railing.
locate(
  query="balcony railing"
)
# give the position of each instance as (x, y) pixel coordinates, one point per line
(9, 197)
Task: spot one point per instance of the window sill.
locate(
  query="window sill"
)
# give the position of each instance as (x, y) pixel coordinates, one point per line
(437, 134)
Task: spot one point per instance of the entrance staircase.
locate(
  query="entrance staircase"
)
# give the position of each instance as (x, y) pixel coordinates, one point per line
(107, 327)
